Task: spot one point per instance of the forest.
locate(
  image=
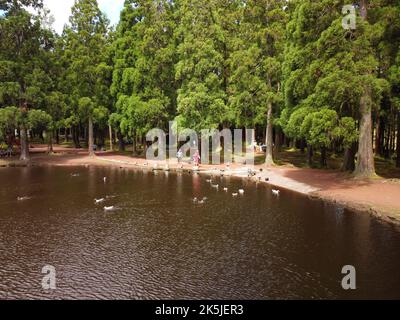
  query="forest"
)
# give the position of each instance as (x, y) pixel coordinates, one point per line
(288, 68)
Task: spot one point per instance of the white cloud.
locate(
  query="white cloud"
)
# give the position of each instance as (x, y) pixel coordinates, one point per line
(61, 10)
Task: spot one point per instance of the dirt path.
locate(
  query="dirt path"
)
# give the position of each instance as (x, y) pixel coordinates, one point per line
(379, 197)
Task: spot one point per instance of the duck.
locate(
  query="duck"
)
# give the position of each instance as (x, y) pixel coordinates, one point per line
(195, 200)
(241, 191)
(97, 201)
(109, 208)
(226, 189)
(209, 180)
(23, 198)
(276, 192)
(105, 179)
(74, 175)
(235, 194)
(215, 186)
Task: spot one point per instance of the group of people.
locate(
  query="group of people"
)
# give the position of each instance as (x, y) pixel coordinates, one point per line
(196, 157)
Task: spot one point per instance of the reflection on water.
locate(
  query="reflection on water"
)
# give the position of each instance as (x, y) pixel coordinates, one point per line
(160, 245)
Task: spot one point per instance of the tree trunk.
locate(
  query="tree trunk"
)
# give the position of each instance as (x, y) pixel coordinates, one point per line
(365, 163)
(379, 140)
(134, 146)
(50, 142)
(269, 160)
(349, 163)
(121, 143)
(302, 146)
(111, 138)
(75, 136)
(24, 145)
(310, 155)
(90, 133)
(278, 140)
(398, 141)
(323, 161)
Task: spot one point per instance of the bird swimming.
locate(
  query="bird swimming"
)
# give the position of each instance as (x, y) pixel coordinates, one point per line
(241, 191)
(276, 192)
(97, 201)
(235, 194)
(226, 189)
(109, 208)
(23, 198)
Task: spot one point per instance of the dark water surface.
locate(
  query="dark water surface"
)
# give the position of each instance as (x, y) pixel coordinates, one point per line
(159, 245)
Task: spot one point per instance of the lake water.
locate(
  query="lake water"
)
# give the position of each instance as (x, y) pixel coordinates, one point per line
(158, 244)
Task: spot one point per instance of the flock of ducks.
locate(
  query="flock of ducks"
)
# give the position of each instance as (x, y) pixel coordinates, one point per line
(234, 194)
(195, 200)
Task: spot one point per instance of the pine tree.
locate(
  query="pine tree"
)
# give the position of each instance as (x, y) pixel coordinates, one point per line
(85, 55)
(144, 57)
(22, 44)
(255, 84)
(200, 70)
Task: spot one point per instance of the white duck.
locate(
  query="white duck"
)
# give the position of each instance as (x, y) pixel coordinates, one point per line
(276, 192)
(97, 201)
(109, 208)
(23, 198)
(241, 191)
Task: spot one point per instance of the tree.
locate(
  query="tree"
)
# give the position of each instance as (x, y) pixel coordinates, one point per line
(200, 69)
(23, 42)
(328, 65)
(85, 43)
(9, 117)
(144, 57)
(42, 121)
(255, 84)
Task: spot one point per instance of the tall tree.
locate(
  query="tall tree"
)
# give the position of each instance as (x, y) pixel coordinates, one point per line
(144, 82)
(21, 45)
(255, 84)
(200, 70)
(85, 52)
(330, 66)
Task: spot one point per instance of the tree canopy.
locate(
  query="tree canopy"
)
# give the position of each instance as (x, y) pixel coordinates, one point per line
(293, 70)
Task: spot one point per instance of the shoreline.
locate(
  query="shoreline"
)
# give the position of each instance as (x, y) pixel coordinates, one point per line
(376, 198)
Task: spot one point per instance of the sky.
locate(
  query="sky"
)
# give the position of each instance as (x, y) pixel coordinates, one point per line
(61, 10)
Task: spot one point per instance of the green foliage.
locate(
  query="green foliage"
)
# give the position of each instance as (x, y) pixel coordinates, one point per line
(40, 120)
(9, 118)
